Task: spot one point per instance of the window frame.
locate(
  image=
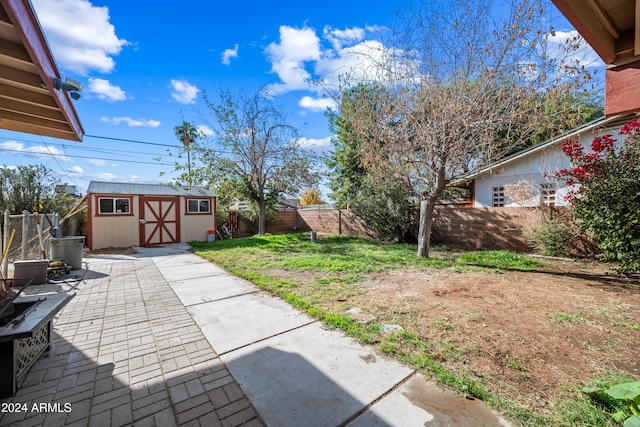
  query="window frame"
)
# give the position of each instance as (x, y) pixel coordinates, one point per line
(199, 200)
(129, 200)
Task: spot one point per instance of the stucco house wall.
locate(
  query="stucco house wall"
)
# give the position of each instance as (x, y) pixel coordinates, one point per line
(536, 167)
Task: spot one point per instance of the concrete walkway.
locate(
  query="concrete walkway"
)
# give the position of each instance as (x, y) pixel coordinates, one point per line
(163, 337)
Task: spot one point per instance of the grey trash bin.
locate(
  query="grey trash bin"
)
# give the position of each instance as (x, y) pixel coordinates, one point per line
(68, 248)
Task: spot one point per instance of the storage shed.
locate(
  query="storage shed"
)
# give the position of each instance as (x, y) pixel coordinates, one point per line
(124, 214)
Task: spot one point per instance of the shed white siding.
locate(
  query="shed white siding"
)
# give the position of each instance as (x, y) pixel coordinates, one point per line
(157, 214)
(115, 231)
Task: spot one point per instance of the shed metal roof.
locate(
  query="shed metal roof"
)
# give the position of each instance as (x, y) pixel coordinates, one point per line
(100, 187)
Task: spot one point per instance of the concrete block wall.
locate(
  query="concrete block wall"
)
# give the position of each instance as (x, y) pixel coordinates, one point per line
(463, 228)
(484, 228)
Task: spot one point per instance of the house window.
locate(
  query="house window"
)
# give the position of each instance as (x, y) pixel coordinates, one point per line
(498, 197)
(548, 193)
(114, 206)
(198, 206)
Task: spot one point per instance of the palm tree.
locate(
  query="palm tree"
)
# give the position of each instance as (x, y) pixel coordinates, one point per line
(187, 134)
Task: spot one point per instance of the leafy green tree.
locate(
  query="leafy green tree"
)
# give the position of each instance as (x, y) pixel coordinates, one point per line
(31, 188)
(258, 150)
(380, 200)
(386, 207)
(606, 194)
(345, 161)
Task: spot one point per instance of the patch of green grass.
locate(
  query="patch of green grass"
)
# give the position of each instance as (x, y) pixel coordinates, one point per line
(562, 318)
(346, 279)
(517, 365)
(350, 255)
(444, 325)
(594, 409)
(451, 351)
(632, 326)
(504, 260)
(618, 320)
(343, 262)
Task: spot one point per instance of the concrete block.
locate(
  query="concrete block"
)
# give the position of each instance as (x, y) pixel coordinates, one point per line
(31, 269)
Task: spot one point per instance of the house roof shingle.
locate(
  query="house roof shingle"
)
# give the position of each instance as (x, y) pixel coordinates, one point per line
(100, 187)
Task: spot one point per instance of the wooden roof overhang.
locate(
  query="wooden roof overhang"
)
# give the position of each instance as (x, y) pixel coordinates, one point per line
(611, 28)
(28, 101)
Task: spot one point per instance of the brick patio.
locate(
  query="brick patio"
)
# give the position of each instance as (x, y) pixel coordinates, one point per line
(127, 352)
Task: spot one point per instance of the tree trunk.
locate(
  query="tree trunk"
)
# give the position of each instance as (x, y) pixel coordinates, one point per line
(189, 179)
(262, 217)
(424, 233)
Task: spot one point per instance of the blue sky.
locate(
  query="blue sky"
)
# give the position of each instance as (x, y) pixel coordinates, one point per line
(144, 67)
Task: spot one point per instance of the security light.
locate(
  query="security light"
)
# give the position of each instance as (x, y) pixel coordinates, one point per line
(69, 85)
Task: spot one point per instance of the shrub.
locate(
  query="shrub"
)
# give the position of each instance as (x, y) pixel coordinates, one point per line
(550, 238)
(605, 194)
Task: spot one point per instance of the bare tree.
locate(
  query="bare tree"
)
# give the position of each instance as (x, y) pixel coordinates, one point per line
(457, 89)
(257, 150)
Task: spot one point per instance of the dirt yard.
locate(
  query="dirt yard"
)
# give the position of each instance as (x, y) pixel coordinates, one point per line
(530, 333)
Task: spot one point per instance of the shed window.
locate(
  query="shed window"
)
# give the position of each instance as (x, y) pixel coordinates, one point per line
(498, 197)
(198, 206)
(112, 205)
(548, 193)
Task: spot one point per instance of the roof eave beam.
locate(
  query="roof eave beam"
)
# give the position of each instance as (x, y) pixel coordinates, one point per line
(22, 16)
(596, 30)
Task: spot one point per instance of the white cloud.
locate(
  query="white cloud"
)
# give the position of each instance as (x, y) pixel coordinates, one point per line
(228, 54)
(584, 54)
(315, 143)
(339, 37)
(76, 170)
(205, 130)
(110, 177)
(105, 176)
(106, 90)
(184, 92)
(316, 104)
(301, 60)
(288, 58)
(131, 122)
(97, 162)
(80, 35)
(361, 62)
(37, 152)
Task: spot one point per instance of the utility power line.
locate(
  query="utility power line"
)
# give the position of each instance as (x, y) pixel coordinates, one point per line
(83, 157)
